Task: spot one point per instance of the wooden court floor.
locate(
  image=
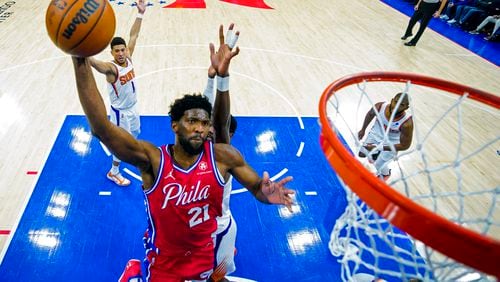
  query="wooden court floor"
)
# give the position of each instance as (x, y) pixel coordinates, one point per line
(289, 54)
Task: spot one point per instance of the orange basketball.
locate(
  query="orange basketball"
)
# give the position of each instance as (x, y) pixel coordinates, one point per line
(80, 27)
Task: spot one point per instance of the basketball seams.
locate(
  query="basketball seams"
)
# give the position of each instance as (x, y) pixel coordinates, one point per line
(92, 28)
(62, 20)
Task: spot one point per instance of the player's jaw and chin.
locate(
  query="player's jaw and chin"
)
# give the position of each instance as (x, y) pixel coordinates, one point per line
(192, 145)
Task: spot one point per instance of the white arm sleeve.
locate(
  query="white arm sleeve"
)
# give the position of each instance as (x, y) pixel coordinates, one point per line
(210, 90)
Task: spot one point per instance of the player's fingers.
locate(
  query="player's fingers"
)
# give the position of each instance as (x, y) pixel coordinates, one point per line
(212, 49)
(229, 33)
(235, 52)
(265, 176)
(285, 180)
(231, 42)
(221, 35)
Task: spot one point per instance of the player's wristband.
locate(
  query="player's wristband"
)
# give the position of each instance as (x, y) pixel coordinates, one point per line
(140, 16)
(223, 83)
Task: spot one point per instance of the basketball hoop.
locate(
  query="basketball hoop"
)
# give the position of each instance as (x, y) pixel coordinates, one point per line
(437, 232)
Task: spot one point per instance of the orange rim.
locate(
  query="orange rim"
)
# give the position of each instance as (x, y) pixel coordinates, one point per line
(461, 244)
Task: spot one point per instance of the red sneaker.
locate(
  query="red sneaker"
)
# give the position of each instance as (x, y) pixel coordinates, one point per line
(132, 272)
(385, 177)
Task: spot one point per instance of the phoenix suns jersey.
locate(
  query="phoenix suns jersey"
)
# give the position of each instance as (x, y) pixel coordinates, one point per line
(122, 92)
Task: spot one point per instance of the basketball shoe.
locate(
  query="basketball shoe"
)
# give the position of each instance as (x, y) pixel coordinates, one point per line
(132, 272)
(385, 177)
(118, 179)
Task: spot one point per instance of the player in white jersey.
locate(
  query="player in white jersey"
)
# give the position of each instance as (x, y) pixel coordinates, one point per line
(224, 126)
(122, 89)
(391, 132)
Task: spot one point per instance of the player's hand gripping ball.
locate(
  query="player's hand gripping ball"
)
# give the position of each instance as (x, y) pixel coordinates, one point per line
(81, 28)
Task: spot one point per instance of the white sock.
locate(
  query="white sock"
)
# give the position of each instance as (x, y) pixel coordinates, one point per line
(115, 169)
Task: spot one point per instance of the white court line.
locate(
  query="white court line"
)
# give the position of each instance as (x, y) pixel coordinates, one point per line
(241, 190)
(294, 109)
(310, 58)
(104, 193)
(105, 149)
(301, 123)
(311, 193)
(238, 191)
(281, 173)
(32, 63)
(459, 55)
(131, 173)
(301, 148)
(239, 279)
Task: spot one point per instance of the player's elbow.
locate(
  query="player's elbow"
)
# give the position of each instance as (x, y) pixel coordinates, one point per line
(404, 147)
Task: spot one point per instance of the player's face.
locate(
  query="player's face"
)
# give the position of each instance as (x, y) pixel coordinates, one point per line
(405, 104)
(119, 53)
(192, 130)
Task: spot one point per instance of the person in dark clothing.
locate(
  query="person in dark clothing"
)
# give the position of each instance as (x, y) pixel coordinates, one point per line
(424, 11)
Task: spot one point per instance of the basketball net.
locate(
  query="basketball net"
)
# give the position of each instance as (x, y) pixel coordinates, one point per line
(438, 213)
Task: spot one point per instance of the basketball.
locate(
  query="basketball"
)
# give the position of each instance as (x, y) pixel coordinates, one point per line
(80, 27)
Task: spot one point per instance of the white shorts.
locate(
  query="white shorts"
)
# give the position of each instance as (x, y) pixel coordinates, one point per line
(225, 243)
(127, 119)
(384, 158)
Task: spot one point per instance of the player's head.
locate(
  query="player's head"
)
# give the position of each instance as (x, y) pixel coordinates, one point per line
(119, 50)
(403, 100)
(190, 117)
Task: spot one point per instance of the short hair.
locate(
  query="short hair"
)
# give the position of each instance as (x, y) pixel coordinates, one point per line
(233, 124)
(188, 102)
(117, 41)
(405, 97)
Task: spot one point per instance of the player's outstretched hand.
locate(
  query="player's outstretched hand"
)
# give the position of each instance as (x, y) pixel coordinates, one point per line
(276, 192)
(220, 60)
(141, 6)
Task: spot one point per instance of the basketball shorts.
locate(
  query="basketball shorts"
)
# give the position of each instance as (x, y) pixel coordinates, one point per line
(225, 247)
(193, 266)
(127, 119)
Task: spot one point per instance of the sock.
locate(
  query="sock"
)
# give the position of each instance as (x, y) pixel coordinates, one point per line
(115, 169)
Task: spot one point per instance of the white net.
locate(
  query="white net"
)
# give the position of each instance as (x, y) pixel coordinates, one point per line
(451, 169)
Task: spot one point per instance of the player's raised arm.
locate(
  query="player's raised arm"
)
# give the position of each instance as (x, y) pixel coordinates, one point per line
(220, 61)
(106, 68)
(120, 142)
(136, 27)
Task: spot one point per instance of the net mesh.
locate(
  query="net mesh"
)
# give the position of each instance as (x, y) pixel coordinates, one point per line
(451, 169)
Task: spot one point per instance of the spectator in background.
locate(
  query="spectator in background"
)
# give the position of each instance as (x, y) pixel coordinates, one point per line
(451, 8)
(490, 19)
(468, 17)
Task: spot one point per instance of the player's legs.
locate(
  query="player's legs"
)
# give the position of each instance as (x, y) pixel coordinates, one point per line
(382, 164)
(134, 122)
(225, 248)
(117, 117)
(372, 156)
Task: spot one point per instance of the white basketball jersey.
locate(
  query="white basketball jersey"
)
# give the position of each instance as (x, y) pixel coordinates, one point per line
(122, 93)
(223, 221)
(380, 126)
